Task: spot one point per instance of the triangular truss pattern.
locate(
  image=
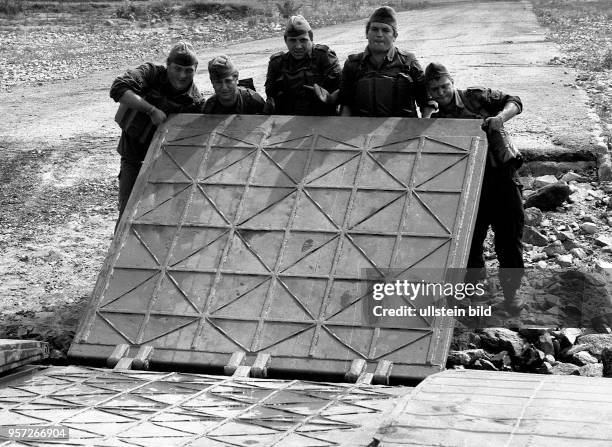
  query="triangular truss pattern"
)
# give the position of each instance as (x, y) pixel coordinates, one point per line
(264, 234)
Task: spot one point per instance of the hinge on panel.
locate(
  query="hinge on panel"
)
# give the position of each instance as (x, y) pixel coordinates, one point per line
(259, 369)
(119, 358)
(358, 373)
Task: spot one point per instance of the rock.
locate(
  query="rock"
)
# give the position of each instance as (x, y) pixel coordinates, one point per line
(606, 360)
(595, 343)
(546, 368)
(549, 197)
(604, 240)
(591, 370)
(109, 22)
(603, 266)
(527, 182)
(502, 339)
(543, 265)
(569, 335)
(565, 369)
(533, 357)
(589, 227)
(570, 176)
(503, 358)
(550, 359)
(487, 365)
(556, 248)
(458, 358)
(538, 256)
(564, 260)
(545, 343)
(534, 237)
(578, 253)
(544, 180)
(583, 358)
(532, 333)
(533, 216)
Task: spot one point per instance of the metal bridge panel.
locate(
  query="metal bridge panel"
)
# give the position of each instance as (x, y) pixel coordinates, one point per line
(260, 234)
(135, 408)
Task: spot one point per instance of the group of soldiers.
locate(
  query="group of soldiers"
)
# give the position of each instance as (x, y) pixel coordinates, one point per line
(381, 81)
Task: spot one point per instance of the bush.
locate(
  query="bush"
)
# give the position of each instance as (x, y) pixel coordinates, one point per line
(11, 7)
(288, 9)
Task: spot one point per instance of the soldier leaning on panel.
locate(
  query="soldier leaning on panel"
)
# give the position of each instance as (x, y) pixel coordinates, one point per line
(383, 80)
(303, 80)
(230, 97)
(148, 94)
(501, 203)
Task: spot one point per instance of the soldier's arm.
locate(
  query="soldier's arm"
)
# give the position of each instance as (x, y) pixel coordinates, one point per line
(129, 90)
(417, 74)
(501, 107)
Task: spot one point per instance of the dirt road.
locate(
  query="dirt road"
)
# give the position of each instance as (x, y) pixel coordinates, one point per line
(57, 143)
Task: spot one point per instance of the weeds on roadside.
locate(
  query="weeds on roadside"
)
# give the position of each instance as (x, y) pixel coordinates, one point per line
(288, 8)
(11, 7)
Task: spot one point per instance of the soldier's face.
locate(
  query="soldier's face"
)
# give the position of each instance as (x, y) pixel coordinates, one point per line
(180, 76)
(226, 89)
(299, 46)
(442, 90)
(380, 37)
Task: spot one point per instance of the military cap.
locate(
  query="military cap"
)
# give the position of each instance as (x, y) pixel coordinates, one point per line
(296, 26)
(182, 53)
(221, 67)
(384, 14)
(435, 70)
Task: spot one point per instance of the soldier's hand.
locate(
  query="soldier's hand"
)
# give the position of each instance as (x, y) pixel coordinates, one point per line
(493, 123)
(157, 116)
(320, 93)
(269, 106)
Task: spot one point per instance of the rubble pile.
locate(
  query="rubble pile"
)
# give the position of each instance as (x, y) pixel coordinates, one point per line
(567, 351)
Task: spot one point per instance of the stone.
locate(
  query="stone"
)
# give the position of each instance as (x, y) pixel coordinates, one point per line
(606, 360)
(543, 265)
(604, 240)
(591, 370)
(534, 237)
(538, 256)
(583, 358)
(545, 368)
(603, 266)
(533, 216)
(550, 359)
(565, 369)
(570, 176)
(578, 253)
(549, 197)
(595, 343)
(487, 365)
(589, 227)
(502, 339)
(555, 248)
(545, 344)
(544, 180)
(532, 333)
(565, 260)
(569, 335)
(533, 357)
(458, 358)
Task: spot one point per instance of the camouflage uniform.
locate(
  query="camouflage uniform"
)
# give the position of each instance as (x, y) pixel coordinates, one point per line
(501, 203)
(393, 89)
(287, 77)
(248, 102)
(151, 83)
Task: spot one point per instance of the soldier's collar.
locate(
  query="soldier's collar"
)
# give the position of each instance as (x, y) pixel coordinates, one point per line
(389, 56)
(458, 100)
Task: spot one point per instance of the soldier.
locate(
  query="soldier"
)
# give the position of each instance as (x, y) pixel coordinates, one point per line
(383, 80)
(501, 204)
(305, 79)
(229, 97)
(148, 94)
